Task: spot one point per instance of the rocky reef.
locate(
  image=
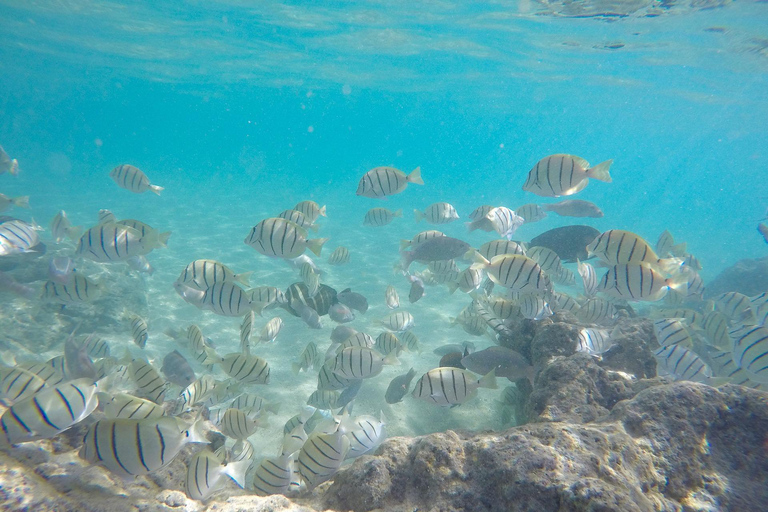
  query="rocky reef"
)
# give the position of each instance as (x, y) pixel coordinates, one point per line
(749, 276)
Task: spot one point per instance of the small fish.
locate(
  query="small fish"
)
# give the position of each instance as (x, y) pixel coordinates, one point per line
(228, 299)
(268, 296)
(534, 307)
(638, 282)
(253, 405)
(177, 370)
(202, 274)
(377, 217)
(311, 210)
(564, 175)
(597, 311)
(246, 369)
(321, 457)
(310, 278)
(391, 298)
(763, 230)
(137, 447)
(531, 213)
(399, 387)
(8, 165)
(131, 178)
(340, 313)
(381, 182)
(123, 405)
(617, 247)
(588, 278)
(148, 381)
(339, 256)
(78, 289)
(309, 358)
(273, 475)
(271, 329)
(750, 349)
(141, 264)
(365, 434)
(682, 364)
(17, 383)
(547, 259)
(507, 363)
(299, 293)
(437, 213)
(237, 424)
(341, 333)
(300, 219)
(359, 339)
(139, 331)
(443, 267)
(516, 272)
(715, 325)
(575, 208)
(352, 299)
(417, 288)
(594, 341)
(282, 239)
(398, 321)
(17, 237)
(361, 363)
(448, 387)
(387, 342)
(195, 393)
(205, 472)
(736, 306)
(504, 221)
(107, 243)
(435, 249)
(246, 331)
(672, 331)
(496, 247)
(569, 242)
(325, 399)
(6, 202)
(106, 217)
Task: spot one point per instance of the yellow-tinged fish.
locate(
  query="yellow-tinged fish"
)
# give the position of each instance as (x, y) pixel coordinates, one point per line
(148, 381)
(420, 239)
(139, 331)
(48, 412)
(131, 447)
(321, 457)
(386, 181)
(195, 393)
(564, 175)
(377, 217)
(496, 247)
(300, 219)
(386, 343)
(468, 280)
(273, 475)
(202, 274)
(750, 351)
(516, 272)
(638, 282)
(339, 256)
(309, 358)
(391, 298)
(237, 424)
(324, 399)
(361, 363)
(110, 242)
(311, 210)
(246, 369)
(131, 178)
(6, 202)
(282, 239)
(448, 387)
(672, 331)
(206, 469)
(437, 213)
(618, 247)
(123, 405)
(531, 213)
(18, 383)
(77, 289)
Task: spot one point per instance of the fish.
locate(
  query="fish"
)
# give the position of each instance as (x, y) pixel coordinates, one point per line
(311, 210)
(399, 387)
(444, 267)
(139, 331)
(321, 457)
(271, 329)
(308, 315)
(149, 235)
(417, 288)
(339, 256)
(547, 259)
(202, 274)
(328, 380)
(736, 306)
(618, 247)
(45, 371)
(148, 381)
(575, 208)
(378, 217)
(504, 221)
(78, 289)
(131, 447)
(299, 218)
(123, 405)
(228, 299)
(594, 341)
(298, 293)
(588, 278)
(468, 281)
(750, 348)
(340, 313)
(7, 202)
(349, 393)
(398, 321)
(310, 278)
(507, 363)
(273, 475)
(131, 178)
(449, 387)
(391, 298)
(361, 363)
(486, 315)
(365, 434)
(17, 383)
(682, 364)
(420, 238)
(516, 272)
(246, 369)
(569, 242)
(381, 182)
(8, 165)
(638, 282)
(437, 213)
(596, 310)
(435, 249)
(531, 212)
(665, 246)
(564, 175)
(472, 324)
(534, 307)
(309, 358)
(246, 331)
(203, 352)
(140, 264)
(48, 412)
(269, 296)
(763, 230)
(281, 238)
(324, 399)
(190, 295)
(359, 339)
(177, 370)
(496, 247)
(387, 342)
(18, 237)
(205, 472)
(502, 308)
(341, 333)
(452, 360)
(253, 405)
(195, 393)
(237, 424)
(352, 299)
(110, 242)
(106, 217)
(672, 331)
(7, 282)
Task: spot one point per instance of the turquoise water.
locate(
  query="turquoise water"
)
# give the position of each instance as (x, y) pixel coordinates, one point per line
(240, 111)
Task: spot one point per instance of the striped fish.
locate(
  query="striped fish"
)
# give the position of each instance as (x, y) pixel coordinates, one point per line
(391, 298)
(487, 314)
(321, 302)
(534, 307)
(270, 331)
(387, 342)
(149, 235)
(437, 213)
(300, 419)
(420, 238)
(480, 212)
(760, 308)
(666, 247)
(246, 369)
(111, 242)
(123, 405)
(311, 210)
(62, 228)
(78, 289)
(596, 311)
(205, 472)
(588, 278)
(339, 256)
(565, 277)
(309, 358)
(715, 325)
(750, 351)
(131, 178)
(531, 212)
(692, 317)
(473, 324)
(365, 434)
(228, 299)
(203, 353)
(95, 346)
(106, 217)
(617, 247)
(594, 341)
(504, 221)
(252, 404)
(148, 381)
(448, 387)
(48, 373)
(282, 239)
(324, 399)
(736, 306)
(17, 383)
(236, 424)
(139, 331)
(137, 447)
(328, 380)
(273, 475)
(497, 247)
(321, 457)
(468, 281)
(17, 236)
(294, 440)
(202, 274)
(48, 412)
(223, 390)
(398, 321)
(377, 217)
(386, 181)
(564, 302)
(564, 175)
(517, 273)
(195, 393)
(360, 363)
(637, 282)
(310, 278)
(672, 331)
(682, 364)
(547, 259)
(246, 331)
(443, 267)
(299, 219)
(359, 339)
(269, 296)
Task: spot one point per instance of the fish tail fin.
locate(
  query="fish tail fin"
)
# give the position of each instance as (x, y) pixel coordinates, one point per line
(244, 278)
(404, 244)
(314, 228)
(419, 215)
(391, 359)
(316, 245)
(600, 171)
(479, 261)
(671, 265)
(162, 239)
(156, 189)
(21, 201)
(398, 213)
(406, 258)
(415, 177)
(236, 471)
(322, 211)
(679, 249)
(488, 381)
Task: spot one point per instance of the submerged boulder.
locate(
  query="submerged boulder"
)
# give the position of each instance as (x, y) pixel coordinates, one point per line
(749, 277)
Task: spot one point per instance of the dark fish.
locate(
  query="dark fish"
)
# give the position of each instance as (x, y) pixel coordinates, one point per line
(349, 393)
(353, 300)
(77, 362)
(177, 370)
(399, 387)
(340, 313)
(568, 242)
(454, 347)
(435, 249)
(7, 282)
(451, 359)
(417, 288)
(60, 268)
(341, 333)
(307, 314)
(505, 361)
(575, 208)
(763, 229)
(323, 299)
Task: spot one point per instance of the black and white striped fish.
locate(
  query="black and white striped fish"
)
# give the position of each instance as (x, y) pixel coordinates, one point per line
(309, 358)
(596, 311)
(62, 228)
(672, 331)
(637, 282)
(387, 342)
(517, 273)
(299, 219)
(77, 289)
(18, 383)
(111, 242)
(531, 212)
(534, 307)
(547, 259)
(311, 279)
(448, 387)
(131, 178)
(139, 331)
(48, 412)
(360, 363)
(386, 181)
(468, 280)
(17, 236)
(45, 371)
(594, 341)
(504, 221)
(237, 424)
(253, 405)
(398, 321)
(271, 329)
(328, 380)
(365, 434)
(358, 339)
(149, 383)
(378, 217)
(339, 256)
(682, 364)
(564, 175)
(228, 299)
(324, 399)
(131, 447)
(282, 239)
(750, 351)
(246, 369)
(311, 210)
(206, 469)
(588, 278)
(497, 247)
(298, 293)
(437, 213)
(123, 405)
(321, 457)
(564, 302)
(391, 298)
(715, 325)
(195, 393)
(618, 247)
(736, 306)
(202, 274)
(273, 475)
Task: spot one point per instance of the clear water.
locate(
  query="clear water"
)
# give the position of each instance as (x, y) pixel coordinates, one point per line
(241, 110)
